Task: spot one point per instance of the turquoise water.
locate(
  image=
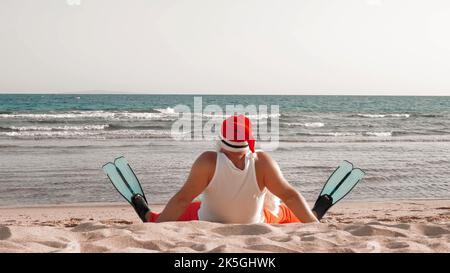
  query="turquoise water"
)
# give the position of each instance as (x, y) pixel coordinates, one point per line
(365, 104)
(324, 118)
(53, 146)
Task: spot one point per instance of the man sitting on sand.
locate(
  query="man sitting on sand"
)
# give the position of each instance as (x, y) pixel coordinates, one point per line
(235, 185)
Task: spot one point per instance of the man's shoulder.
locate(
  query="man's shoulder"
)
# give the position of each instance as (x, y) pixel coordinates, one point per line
(264, 160)
(262, 156)
(264, 165)
(206, 159)
(208, 155)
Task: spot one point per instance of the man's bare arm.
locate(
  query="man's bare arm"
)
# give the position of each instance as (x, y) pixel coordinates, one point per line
(196, 182)
(277, 184)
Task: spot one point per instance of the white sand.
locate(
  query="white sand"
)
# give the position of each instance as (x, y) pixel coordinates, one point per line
(406, 226)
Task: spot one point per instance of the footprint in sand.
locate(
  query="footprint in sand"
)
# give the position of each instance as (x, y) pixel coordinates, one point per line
(403, 226)
(242, 230)
(198, 247)
(270, 248)
(432, 231)
(53, 244)
(368, 230)
(91, 248)
(308, 238)
(85, 227)
(5, 233)
(253, 240)
(397, 245)
(282, 239)
(219, 249)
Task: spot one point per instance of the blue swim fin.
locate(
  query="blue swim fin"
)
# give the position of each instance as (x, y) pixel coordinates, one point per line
(118, 181)
(338, 185)
(130, 177)
(126, 183)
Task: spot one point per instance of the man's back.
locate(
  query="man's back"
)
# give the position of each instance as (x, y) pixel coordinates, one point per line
(233, 194)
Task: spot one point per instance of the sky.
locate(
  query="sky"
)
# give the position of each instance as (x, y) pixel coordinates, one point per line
(312, 47)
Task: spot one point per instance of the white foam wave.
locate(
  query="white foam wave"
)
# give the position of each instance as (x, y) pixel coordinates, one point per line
(347, 134)
(59, 128)
(251, 117)
(339, 134)
(314, 124)
(379, 134)
(167, 110)
(307, 124)
(168, 114)
(90, 115)
(333, 134)
(400, 115)
(384, 115)
(90, 134)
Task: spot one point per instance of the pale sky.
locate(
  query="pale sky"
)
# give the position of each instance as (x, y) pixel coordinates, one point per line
(317, 47)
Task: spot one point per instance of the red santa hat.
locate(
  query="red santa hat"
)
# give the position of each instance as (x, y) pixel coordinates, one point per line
(236, 134)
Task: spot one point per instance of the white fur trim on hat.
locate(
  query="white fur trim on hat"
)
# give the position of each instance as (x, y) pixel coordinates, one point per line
(233, 146)
(226, 146)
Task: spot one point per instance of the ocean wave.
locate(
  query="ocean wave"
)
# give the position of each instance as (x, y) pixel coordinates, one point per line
(88, 134)
(340, 134)
(378, 134)
(83, 115)
(361, 140)
(55, 128)
(112, 127)
(347, 134)
(307, 124)
(251, 117)
(333, 134)
(384, 115)
(167, 110)
(314, 124)
(164, 114)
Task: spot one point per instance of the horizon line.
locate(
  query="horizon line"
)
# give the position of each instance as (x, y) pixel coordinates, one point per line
(210, 94)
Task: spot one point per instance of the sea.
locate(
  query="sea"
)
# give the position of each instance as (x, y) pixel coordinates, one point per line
(52, 146)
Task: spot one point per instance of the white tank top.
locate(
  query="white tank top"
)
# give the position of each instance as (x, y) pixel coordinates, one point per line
(233, 195)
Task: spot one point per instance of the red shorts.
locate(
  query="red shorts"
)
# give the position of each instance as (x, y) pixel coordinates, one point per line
(285, 215)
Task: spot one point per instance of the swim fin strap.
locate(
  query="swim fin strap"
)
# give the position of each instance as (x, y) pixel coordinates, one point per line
(338, 185)
(123, 178)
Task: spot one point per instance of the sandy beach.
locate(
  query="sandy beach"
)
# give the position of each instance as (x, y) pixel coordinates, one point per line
(400, 226)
